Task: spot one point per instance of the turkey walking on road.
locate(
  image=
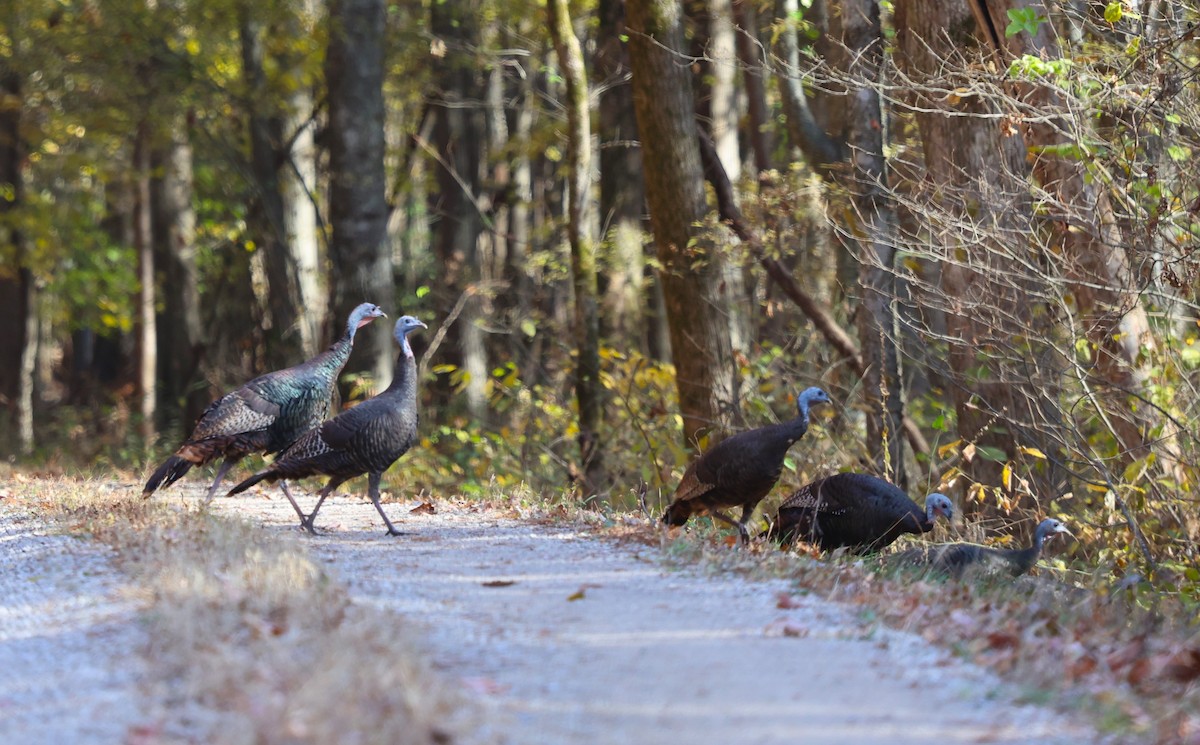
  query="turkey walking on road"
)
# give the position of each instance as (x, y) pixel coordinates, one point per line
(365, 439)
(956, 559)
(740, 470)
(265, 415)
(854, 510)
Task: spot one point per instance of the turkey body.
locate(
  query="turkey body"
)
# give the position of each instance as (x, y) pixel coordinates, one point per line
(366, 439)
(957, 559)
(857, 511)
(740, 470)
(264, 415)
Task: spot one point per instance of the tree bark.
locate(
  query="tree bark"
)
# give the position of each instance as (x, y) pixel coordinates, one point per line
(1109, 311)
(362, 265)
(876, 239)
(749, 52)
(460, 134)
(705, 374)
(180, 334)
(622, 196)
(287, 342)
(18, 337)
(589, 392)
(143, 238)
(977, 198)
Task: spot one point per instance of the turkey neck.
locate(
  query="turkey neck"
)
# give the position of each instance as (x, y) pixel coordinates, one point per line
(1023, 559)
(796, 428)
(404, 382)
(339, 352)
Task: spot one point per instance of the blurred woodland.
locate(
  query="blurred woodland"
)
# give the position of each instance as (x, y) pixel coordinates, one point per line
(633, 226)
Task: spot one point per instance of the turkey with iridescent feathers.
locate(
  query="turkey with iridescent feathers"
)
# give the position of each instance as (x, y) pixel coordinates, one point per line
(957, 559)
(740, 470)
(857, 511)
(265, 415)
(365, 439)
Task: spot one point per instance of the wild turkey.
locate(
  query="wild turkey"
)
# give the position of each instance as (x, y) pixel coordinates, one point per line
(265, 415)
(956, 559)
(740, 470)
(854, 510)
(365, 439)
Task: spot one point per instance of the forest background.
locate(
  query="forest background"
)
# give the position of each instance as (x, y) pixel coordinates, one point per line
(633, 227)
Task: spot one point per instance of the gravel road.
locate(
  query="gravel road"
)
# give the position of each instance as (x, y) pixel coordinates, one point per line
(561, 636)
(69, 639)
(570, 638)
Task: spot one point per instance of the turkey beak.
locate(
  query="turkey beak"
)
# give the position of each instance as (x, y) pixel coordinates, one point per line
(1064, 529)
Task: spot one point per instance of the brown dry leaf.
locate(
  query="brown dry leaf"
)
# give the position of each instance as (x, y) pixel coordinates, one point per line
(1124, 656)
(1184, 665)
(499, 582)
(1003, 640)
(577, 595)
(782, 627)
(424, 508)
(1139, 672)
(785, 600)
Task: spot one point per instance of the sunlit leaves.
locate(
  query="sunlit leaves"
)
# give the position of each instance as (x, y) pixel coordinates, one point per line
(1024, 20)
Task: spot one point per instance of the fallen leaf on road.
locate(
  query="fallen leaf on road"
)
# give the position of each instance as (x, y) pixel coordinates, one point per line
(483, 685)
(785, 628)
(499, 582)
(786, 600)
(577, 595)
(424, 508)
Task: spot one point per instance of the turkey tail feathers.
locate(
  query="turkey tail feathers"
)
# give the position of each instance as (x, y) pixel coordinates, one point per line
(168, 473)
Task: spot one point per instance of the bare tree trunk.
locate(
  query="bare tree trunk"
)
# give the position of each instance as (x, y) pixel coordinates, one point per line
(297, 189)
(705, 374)
(749, 53)
(460, 134)
(1110, 312)
(362, 262)
(713, 44)
(147, 367)
(877, 240)
(18, 337)
(588, 390)
(622, 196)
(978, 199)
(181, 335)
(286, 343)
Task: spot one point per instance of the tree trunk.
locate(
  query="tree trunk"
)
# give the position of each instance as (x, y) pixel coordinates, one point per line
(876, 239)
(705, 374)
(749, 52)
(18, 336)
(362, 265)
(297, 191)
(588, 390)
(978, 196)
(1109, 311)
(143, 239)
(286, 335)
(622, 196)
(183, 392)
(459, 135)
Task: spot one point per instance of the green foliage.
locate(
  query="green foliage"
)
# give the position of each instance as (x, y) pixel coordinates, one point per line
(1025, 20)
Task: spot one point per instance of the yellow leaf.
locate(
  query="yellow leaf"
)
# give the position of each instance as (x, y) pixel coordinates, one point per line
(947, 448)
(1006, 476)
(1034, 453)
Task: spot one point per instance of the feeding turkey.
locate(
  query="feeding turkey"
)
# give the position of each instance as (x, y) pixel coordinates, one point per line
(957, 559)
(366, 439)
(266, 414)
(740, 470)
(857, 511)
